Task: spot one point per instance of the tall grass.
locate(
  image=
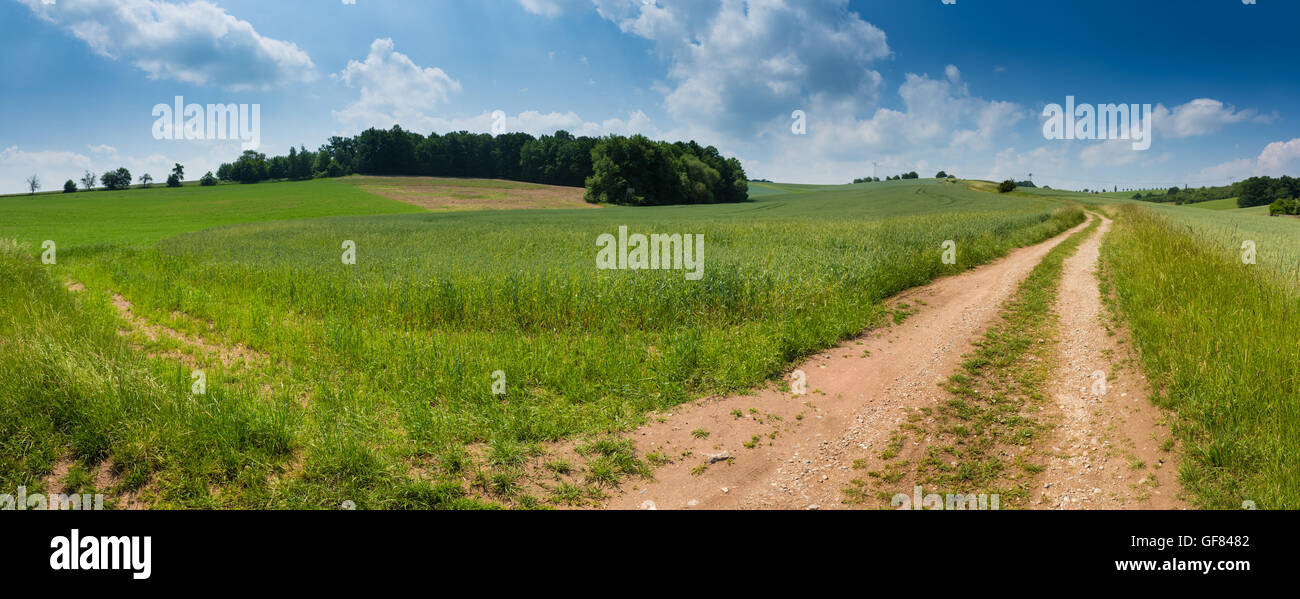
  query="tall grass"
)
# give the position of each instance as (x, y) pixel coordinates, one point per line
(1219, 340)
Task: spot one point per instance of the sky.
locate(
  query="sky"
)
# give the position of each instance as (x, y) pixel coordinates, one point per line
(804, 91)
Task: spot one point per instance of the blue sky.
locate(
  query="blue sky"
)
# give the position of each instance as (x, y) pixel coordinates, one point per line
(906, 84)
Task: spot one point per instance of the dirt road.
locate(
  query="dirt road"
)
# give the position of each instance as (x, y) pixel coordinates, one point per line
(773, 450)
(1106, 452)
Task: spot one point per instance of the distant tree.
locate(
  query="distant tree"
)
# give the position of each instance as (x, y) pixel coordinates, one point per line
(250, 168)
(146, 180)
(1006, 186)
(224, 172)
(88, 181)
(118, 179)
(208, 180)
(179, 170)
(34, 183)
(941, 175)
(173, 180)
(70, 186)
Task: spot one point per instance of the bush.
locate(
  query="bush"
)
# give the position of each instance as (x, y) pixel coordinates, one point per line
(1006, 186)
(173, 180)
(1289, 206)
(69, 187)
(208, 180)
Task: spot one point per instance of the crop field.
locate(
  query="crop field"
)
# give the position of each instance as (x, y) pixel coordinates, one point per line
(374, 382)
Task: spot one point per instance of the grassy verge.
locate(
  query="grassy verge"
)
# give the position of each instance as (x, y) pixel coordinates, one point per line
(1218, 339)
(962, 444)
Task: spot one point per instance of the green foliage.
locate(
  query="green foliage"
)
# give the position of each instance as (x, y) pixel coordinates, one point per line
(70, 186)
(638, 171)
(207, 180)
(1006, 186)
(118, 179)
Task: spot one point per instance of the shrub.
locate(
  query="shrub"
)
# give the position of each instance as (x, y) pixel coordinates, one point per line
(208, 180)
(1006, 186)
(70, 187)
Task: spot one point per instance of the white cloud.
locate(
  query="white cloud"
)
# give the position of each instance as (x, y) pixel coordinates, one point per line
(551, 8)
(1277, 158)
(196, 42)
(55, 166)
(736, 64)
(1202, 116)
(394, 90)
(1112, 152)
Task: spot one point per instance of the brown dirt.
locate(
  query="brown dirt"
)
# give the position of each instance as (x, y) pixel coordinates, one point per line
(1105, 452)
(441, 194)
(856, 398)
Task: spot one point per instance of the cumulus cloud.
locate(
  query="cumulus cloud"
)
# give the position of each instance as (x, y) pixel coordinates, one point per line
(1277, 158)
(394, 90)
(195, 42)
(735, 64)
(1202, 116)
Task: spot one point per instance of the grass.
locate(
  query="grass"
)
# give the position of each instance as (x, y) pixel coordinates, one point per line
(378, 375)
(92, 221)
(1218, 339)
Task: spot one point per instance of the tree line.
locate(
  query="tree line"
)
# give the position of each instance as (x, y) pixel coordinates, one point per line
(614, 169)
(114, 180)
(1255, 191)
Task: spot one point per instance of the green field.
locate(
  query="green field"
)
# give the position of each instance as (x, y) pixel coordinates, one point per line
(373, 382)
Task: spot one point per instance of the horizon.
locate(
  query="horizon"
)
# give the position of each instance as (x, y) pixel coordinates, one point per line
(872, 98)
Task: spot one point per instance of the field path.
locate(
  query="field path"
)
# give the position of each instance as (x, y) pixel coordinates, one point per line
(1105, 449)
(773, 450)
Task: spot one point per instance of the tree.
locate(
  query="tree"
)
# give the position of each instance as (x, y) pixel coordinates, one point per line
(146, 180)
(1006, 186)
(224, 172)
(250, 168)
(70, 187)
(941, 175)
(34, 183)
(177, 176)
(88, 180)
(118, 179)
(208, 180)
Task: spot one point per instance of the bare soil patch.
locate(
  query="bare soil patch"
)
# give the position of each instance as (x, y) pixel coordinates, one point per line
(444, 194)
